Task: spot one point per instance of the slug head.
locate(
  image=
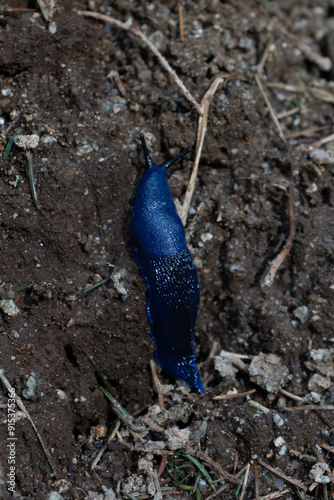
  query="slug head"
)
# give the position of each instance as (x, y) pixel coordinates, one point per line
(148, 160)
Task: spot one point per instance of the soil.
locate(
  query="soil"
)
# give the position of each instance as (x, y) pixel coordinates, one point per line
(61, 82)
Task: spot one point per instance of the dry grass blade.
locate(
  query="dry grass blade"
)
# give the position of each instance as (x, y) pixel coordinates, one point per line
(270, 108)
(161, 58)
(269, 278)
(110, 438)
(201, 131)
(20, 404)
(244, 484)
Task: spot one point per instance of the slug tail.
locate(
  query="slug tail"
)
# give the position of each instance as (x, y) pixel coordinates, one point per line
(185, 370)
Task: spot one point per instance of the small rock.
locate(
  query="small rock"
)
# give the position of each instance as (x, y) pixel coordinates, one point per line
(318, 382)
(317, 473)
(279, 441)
(54, 495)
(27, 141)
(53, 28)
(268, 372)
(177, 438)
(301, 313)
(225, 367)
(9, 307)
(29, 391)
(278, 420)
(322, 157)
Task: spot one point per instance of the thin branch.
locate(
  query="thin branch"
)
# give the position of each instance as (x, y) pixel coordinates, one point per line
(181, 27)
(20, 404)
(265, 55)
(291, 396)
(288, 479)
(201, 131)
(269, 278)
(203, 456)
(234, 396)
(277, 494)
(157, 384)
(325, 140)
(163, 61)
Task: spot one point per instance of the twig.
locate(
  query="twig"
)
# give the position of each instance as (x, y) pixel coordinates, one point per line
(153, 426)
(103, 449)
(20, 404)
(309, 132)
(157, 384)
(296, 89)
(270, 108)
(236, 395)
(32, 180)
(265, 55)
(277, 494)
(324, 63)
(216, 493)
(288, 479)
(156, 481)
(21, 10)
(181, 27)
(201, 131)
(120, 84)
(214, 465)
(163, 61)
(327, 447)
(290, 395)
(258, 406)
(244, 484)
(325, 140)
(162, 466)
(310, 407)
(256, 480)
(233, 355)
(269, 278)
(121, 412)
(286, 114)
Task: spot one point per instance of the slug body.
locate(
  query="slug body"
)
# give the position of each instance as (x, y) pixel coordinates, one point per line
(158, 238)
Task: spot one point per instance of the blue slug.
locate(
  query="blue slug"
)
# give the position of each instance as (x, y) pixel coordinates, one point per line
(158, 238)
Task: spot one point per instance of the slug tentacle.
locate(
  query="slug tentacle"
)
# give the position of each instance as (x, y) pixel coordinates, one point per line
(169, 271)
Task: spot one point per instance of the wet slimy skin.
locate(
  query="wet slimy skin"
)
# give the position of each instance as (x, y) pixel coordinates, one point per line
(165, 262)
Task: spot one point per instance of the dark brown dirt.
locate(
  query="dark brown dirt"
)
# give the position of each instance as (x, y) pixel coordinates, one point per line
(61, 85)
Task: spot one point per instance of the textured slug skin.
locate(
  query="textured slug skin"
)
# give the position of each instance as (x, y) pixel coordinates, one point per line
(169, 271)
